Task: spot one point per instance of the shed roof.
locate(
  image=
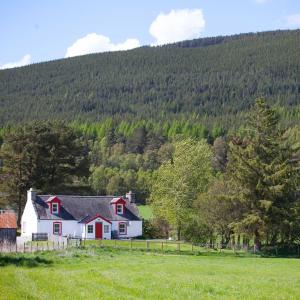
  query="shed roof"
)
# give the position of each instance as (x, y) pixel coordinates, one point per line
(8, 219)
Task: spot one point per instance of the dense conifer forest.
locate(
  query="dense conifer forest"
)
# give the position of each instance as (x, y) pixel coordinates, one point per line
(177, 124)
(212, 81)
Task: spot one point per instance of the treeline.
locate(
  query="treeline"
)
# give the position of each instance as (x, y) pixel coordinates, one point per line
(211, 80)
(245, 189)
(236, 187)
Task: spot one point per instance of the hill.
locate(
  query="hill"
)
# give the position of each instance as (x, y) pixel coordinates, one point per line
(211, 79)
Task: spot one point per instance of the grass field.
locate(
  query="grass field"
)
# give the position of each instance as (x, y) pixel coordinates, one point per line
(95, 273)
(145, 211)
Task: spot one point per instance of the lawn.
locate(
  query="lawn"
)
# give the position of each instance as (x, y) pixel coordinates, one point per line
(95, 273)
(145, 211)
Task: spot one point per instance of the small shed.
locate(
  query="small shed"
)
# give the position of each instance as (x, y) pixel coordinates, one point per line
(8, 226)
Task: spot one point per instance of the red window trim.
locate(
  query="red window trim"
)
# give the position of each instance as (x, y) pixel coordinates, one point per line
(118, 200)
(52, 207)
(54, 200)
(125, 228)
(60, 228)
(117, 209)
(95, 217)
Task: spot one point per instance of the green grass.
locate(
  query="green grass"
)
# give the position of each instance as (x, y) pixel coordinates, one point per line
(156, 245)
(107, 273)
(145, 211)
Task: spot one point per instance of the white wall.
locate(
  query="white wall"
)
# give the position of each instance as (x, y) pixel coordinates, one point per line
(29, 217)
(134, 228)
(105, 236)
(72, 228)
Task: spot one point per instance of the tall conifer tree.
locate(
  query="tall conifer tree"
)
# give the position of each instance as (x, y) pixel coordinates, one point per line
(265, 175)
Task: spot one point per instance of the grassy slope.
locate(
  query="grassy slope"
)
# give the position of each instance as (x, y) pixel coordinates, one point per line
(118, 274)
(145, 211)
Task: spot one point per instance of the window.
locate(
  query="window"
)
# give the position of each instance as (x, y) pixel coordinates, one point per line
(55, 208)
(106, 228)
(122, 228)
(90, 229)
(119, 209)
(57, 228)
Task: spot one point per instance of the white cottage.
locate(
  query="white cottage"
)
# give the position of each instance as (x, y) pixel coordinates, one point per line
(86, 217)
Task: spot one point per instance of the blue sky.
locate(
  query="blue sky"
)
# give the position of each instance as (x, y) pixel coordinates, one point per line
(35, 30)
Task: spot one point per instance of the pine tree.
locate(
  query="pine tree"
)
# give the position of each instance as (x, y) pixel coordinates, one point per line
(41, 155)
(265, 177)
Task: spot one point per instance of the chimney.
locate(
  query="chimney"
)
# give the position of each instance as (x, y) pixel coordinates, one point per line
(31, 194)
(130, 196)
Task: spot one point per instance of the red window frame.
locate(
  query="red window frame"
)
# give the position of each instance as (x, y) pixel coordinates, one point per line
(57, 205)
(119, 205)
(60, 228)
(125, 228)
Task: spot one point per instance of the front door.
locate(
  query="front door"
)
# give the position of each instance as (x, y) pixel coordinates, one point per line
(98, 233)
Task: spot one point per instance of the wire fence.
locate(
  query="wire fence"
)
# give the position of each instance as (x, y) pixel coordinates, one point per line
(149, 245)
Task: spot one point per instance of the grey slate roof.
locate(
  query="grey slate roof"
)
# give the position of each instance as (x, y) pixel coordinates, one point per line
(81, 207)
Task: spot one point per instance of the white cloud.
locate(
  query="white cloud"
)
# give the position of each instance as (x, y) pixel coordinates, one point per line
(93, 42)
(177, 25)
(25, 60)
(293, 20)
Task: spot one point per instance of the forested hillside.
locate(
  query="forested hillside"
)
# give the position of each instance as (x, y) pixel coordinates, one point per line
(211, 80)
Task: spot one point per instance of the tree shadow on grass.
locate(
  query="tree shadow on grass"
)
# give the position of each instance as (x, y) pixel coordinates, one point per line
(23, 261)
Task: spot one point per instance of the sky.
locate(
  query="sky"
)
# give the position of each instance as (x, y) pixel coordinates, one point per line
(34, 31)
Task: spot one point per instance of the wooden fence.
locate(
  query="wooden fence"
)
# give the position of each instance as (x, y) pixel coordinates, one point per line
(144, 245)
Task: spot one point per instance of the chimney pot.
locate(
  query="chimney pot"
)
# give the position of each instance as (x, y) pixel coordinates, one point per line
(130, 196)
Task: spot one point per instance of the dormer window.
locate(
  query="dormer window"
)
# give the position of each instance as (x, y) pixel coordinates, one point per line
(55, 208)
(118, 205)
(54, 204)
(120, 209)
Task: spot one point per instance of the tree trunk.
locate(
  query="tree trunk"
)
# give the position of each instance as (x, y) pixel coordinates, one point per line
(211, 240)
(178, 232)
(257, 242)
(222, 241)
(227, 239)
